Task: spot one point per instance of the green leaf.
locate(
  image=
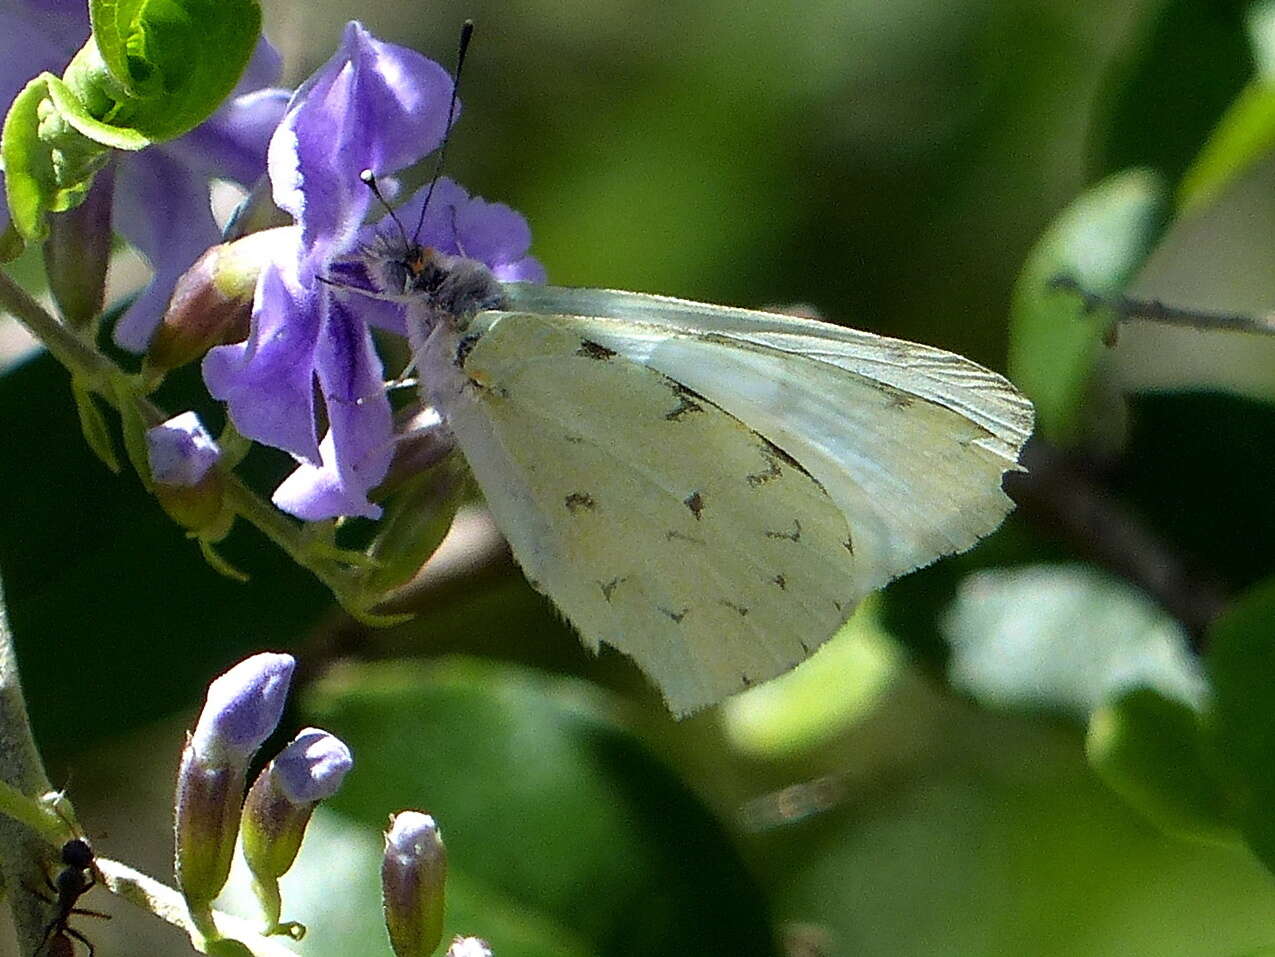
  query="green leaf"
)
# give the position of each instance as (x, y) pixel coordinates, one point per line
(1065, 638)
(170, 62)
(1147, 748)
(545, 804)
(153, 70)
(93, 426)
(1239, 725)
(36, 180)
(821, 697)
(1097, 243)
(1244, 135)
(1188, 60)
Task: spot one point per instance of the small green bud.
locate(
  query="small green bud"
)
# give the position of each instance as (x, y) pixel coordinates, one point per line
(413, 874)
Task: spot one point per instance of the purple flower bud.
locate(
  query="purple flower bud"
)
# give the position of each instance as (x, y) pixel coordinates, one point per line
(182, 455)
(242, 709)
(278, 809)
(468, 947)
(181, 451)
(413, 874)
(212, 301)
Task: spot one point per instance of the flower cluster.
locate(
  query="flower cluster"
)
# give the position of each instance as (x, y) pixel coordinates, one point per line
(161, 193)
(373, 106)
(241, 711)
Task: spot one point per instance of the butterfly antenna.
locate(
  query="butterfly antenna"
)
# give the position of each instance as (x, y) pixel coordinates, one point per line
(369, 180)
(466, 32)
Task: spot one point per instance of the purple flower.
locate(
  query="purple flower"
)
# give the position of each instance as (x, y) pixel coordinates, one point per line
(372, 106)
(181, 451)
(161, 193)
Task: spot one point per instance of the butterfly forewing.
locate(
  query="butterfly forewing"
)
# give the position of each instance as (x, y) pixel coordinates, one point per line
(659, 523)
(910, 441)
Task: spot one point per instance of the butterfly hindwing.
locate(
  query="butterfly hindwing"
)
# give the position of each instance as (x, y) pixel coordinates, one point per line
(659, 523)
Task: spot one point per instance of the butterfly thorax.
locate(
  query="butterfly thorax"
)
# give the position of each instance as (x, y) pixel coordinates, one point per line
(455, 287)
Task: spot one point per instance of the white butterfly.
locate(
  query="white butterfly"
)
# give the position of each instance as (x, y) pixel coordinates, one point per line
(709, 490)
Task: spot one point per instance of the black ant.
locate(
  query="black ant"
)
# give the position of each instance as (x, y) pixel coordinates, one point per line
(79, 873)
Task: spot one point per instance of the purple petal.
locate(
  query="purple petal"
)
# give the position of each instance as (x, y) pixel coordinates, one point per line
(492, 232)
(243, 708)
(264, 68)
(373, 105)
(441, 218)
(312, 767)
(357, 450)
(268, 381)
(170, 240)
(181, 451)
(231, 143)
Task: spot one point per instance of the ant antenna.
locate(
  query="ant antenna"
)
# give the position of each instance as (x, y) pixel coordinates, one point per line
(369, 180)
(466, 32)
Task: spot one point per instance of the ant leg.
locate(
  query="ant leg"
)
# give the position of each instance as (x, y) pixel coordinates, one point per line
(84, 912)
(36, 892)
(72, 932)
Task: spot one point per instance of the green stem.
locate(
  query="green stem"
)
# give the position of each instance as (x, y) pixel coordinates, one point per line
(24, 850)
(168, 904)
(97, 372)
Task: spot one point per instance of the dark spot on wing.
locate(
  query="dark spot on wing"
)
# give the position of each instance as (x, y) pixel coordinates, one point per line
(686, 403)
(677, 616)
(682, 536)
(464, 348)
(773, 471)
(609, 587)
(748, 682)
(781, 581)
(738, 609)
(695, 502)
(848, 544)
(804, 647)
(838, 605)
(793, 536)
(594, 350)
(772, 449)
(900, 400)
(577, 501)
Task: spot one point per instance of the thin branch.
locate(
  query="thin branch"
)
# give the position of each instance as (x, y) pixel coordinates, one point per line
(1128, 309)
(168, 904)
(24, 852)
(117, 388)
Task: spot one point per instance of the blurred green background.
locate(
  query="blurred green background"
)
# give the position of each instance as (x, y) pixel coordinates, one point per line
(920, 787)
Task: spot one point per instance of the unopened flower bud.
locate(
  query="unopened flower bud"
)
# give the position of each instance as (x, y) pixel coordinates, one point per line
(212, 301)
(468, 947)
(278, 809)
(242, 709)
(413, 873)
(182, 457)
